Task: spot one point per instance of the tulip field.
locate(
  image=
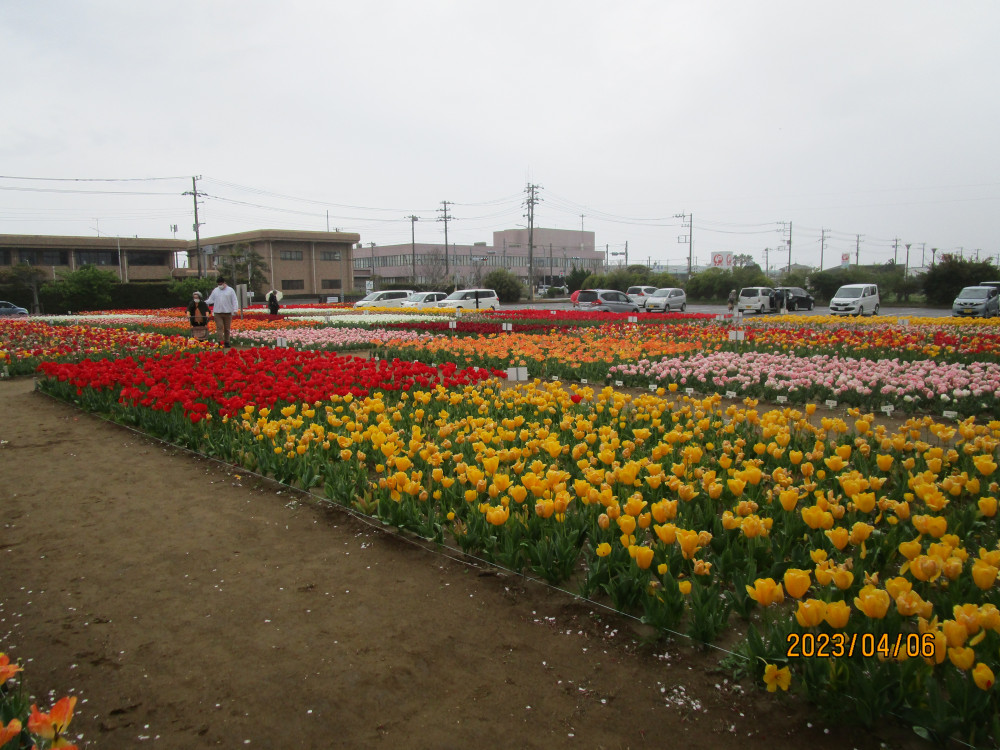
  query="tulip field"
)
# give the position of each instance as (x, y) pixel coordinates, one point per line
(821, 493)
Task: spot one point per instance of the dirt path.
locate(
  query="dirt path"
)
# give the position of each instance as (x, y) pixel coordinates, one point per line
(190, 607)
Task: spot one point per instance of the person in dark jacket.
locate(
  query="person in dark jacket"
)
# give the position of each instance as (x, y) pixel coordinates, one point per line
(198, 313)
(272, 302)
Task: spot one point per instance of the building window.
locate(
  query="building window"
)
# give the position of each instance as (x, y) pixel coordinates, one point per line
(5, 256)
(290, 255)
(146, 259)
(330, 284)
(291, 284)
(329, 255)
(96, 258)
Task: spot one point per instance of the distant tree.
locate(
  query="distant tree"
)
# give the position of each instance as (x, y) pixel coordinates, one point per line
(87, 288)
(576, 278)
(183, 289)
(507, 286)
(244, 265)
(945, 279)
(24, 277)
(743, 260)
(795, 278)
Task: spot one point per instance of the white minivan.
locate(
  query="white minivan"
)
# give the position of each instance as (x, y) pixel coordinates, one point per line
(758, 299)
(855, 299)
(385, 298)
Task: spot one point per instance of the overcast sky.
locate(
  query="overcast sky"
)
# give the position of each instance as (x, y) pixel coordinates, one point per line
(877, 119)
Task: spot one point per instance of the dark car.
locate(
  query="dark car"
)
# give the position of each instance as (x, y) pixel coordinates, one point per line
(9, 308)
(606, 300)
(797, 298)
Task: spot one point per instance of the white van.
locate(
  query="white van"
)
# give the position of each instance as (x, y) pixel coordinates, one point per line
(758, 299)
(472, 299)
(855, 299)
(385, 298)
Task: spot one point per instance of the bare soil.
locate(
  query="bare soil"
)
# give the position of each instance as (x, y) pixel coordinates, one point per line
(190, 605)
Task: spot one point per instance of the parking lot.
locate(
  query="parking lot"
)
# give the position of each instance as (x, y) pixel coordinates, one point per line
(720, 309)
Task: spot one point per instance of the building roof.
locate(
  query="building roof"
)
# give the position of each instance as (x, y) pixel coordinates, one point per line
(293, 235)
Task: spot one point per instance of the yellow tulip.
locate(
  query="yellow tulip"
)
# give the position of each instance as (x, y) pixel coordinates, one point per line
(984, 574)
(983, 676)
(776, 678)
(955, 633)
(985, 464)
(685, 587)
(883, 461)
(603, 549)
(837, 614)
(797, 582)
(838, 537)
(766, 592)
(810, 612)
(873, 602)
(963, 658)
(988, 506)
(643, 557)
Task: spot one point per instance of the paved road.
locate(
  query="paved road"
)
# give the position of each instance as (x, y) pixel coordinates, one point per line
(721, 309)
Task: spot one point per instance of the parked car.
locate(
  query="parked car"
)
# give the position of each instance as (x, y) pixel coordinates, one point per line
(385, 298)
(797, 298)
(981, 301)
(420, 300)
(472, 299)
(9, 308)
(639, 294)
(758, 299)
(606, 300)
(667, 299)
(574, 298)
(855, 299)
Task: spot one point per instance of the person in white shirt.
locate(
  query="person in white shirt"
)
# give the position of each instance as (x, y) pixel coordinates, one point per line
(224, 303)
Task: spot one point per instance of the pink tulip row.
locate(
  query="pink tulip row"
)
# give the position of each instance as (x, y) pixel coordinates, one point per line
(328, 337)
(910, 382)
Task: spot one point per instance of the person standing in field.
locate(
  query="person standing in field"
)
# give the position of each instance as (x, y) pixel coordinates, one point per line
(198, 313)
(224, 303)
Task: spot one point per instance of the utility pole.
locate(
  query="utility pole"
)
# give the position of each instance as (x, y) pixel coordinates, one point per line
(445, 217)
(767, 262)
(933, 255)
(923, 254)
(532, 192)
(906, 268)
(197, 224)
(689, 238)
(895, 251)
(626, 254)
(857, 250)
(549, 281)
(413, 244)
(789, 241)
(822, 246)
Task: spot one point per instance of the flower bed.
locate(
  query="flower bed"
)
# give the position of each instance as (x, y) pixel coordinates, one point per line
(920, 385)
(693, 516)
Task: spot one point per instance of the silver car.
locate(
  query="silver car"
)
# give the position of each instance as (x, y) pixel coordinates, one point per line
(977, 301)
(667, 300)
(639, 294)
(606, 300)
(9, 308)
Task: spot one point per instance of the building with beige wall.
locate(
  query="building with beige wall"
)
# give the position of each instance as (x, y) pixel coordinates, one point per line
(131, 258)
(301, 263)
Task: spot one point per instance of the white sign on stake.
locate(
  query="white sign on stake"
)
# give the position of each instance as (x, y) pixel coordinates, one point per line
(282, 341)
(730, 394)
(522, 373)
(949, 414)
(511, 373)
(831, 403)
(619, 383)
(689, 391)
(888, 409)
(583, 380)
(652, 386)
(452, 324)
(781, 399)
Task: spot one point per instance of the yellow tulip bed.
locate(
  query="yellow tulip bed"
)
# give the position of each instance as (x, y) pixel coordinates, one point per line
(857, 563)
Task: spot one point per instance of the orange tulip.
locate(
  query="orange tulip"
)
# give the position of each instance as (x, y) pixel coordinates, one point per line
(797, 582)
